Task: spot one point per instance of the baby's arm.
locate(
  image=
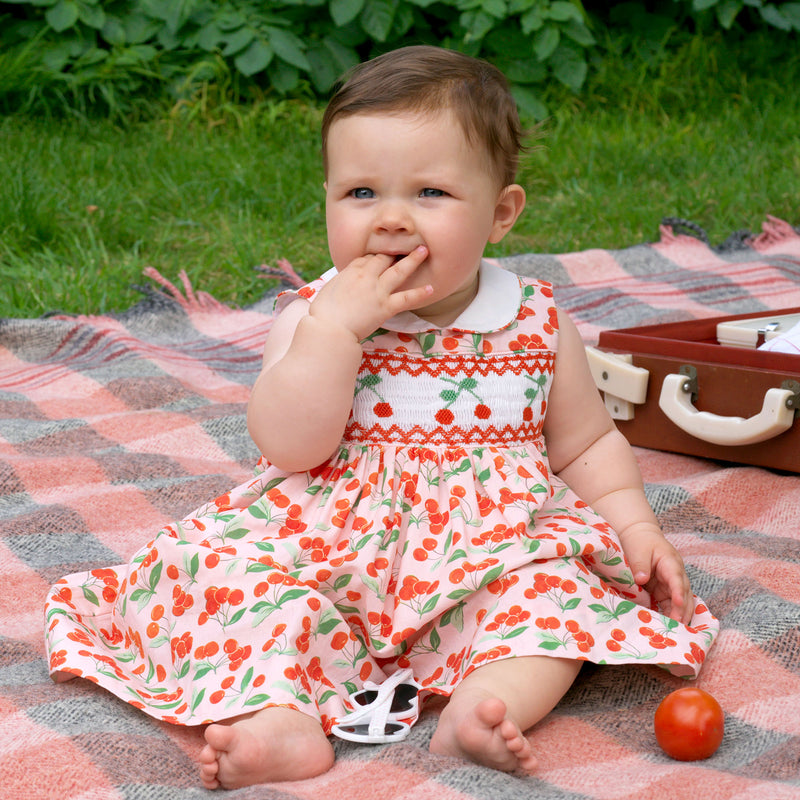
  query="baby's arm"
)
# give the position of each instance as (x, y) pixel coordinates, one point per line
(301, 400)
(595, 460)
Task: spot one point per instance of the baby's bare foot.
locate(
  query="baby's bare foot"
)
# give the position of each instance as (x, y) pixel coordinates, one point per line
(486, 735)
(274, 744)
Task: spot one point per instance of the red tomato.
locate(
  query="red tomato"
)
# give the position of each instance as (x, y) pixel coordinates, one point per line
(689, 724)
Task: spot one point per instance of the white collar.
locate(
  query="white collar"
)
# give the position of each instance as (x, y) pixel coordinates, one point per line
(495, 305)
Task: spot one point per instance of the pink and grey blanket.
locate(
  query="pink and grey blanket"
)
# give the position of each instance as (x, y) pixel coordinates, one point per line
(111, 427)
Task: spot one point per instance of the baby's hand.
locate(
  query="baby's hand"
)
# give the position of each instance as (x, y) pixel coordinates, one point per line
(367, 292)
(658, 567)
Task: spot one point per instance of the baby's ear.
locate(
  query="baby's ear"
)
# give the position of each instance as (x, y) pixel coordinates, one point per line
(509, 206)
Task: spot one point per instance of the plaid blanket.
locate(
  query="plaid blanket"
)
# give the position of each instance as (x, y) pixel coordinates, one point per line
(111, 427)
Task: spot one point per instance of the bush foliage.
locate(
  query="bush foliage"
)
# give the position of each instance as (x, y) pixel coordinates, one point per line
(108, 55)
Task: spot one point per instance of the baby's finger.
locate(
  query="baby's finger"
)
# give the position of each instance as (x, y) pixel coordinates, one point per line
(409, 299)
(402, 269)
(682, 598)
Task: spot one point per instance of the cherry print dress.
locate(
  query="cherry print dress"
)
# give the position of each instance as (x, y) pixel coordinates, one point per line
(435, 537)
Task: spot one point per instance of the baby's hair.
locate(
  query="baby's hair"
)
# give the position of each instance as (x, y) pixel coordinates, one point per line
(426, 80)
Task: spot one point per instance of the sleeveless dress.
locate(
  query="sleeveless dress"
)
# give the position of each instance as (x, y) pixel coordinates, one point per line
(435, 537)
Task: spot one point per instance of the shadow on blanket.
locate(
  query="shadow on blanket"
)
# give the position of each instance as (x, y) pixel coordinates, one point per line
(112, 427)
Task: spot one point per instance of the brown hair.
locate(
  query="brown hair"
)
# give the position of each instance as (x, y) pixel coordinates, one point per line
(424, 79)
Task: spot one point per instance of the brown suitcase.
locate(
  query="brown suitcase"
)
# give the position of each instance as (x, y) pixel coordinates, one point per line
(673, 387)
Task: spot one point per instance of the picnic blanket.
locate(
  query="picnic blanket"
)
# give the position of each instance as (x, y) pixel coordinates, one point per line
(113, 426)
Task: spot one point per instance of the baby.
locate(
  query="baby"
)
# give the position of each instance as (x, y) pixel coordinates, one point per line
(442, 493)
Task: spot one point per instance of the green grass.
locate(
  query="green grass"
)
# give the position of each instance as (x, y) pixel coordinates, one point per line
(709, 134)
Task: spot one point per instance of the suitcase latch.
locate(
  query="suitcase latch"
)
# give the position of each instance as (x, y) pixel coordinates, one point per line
(793, 401)
(622, 385)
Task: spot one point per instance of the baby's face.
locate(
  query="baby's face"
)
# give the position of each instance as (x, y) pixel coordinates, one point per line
(396, 181)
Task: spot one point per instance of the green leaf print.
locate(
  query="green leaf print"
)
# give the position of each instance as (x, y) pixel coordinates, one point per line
(346, 610)
(430, 605)
(292, 594)
(90, 596)
(605, 614)
(327, 696)
(125, 658)
(454, 616)
(191, 565)
(248, 676)
(492, 575)
(259, 700)
(457, 555)
(449, 395)
(141, 597)
(373, 585)
(155, 575)
(363, 541)
(202, 670)
(235, 533)
(257, 566)
(326, 626)
(53, 612)
(426, 342)
(255, 510)
(532, 545)
(551, 644)
(464, 466)
(435, 640)
(626, 577)
(235, 618)
(342, 581)
(169, 706)
(197, 698)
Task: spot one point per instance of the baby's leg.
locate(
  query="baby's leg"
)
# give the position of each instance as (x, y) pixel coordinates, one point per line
(274, 744)
(488, 712)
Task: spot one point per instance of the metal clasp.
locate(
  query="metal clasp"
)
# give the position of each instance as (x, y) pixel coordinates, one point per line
(689, 386)
(793, 401)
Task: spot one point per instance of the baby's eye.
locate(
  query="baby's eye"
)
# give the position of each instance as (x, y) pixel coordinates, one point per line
(429, 192)
(362, 193)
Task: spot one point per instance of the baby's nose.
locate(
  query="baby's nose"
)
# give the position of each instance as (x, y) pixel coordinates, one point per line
(393, 216)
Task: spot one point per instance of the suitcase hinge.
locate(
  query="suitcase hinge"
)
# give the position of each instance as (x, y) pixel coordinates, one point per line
(793, 401)
(690, 384)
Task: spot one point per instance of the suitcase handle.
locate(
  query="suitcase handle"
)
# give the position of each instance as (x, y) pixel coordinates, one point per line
(775, 417)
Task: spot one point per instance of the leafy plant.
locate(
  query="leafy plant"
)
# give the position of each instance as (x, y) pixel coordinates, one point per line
(784, 16)
(105, 52)
(114, 55)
